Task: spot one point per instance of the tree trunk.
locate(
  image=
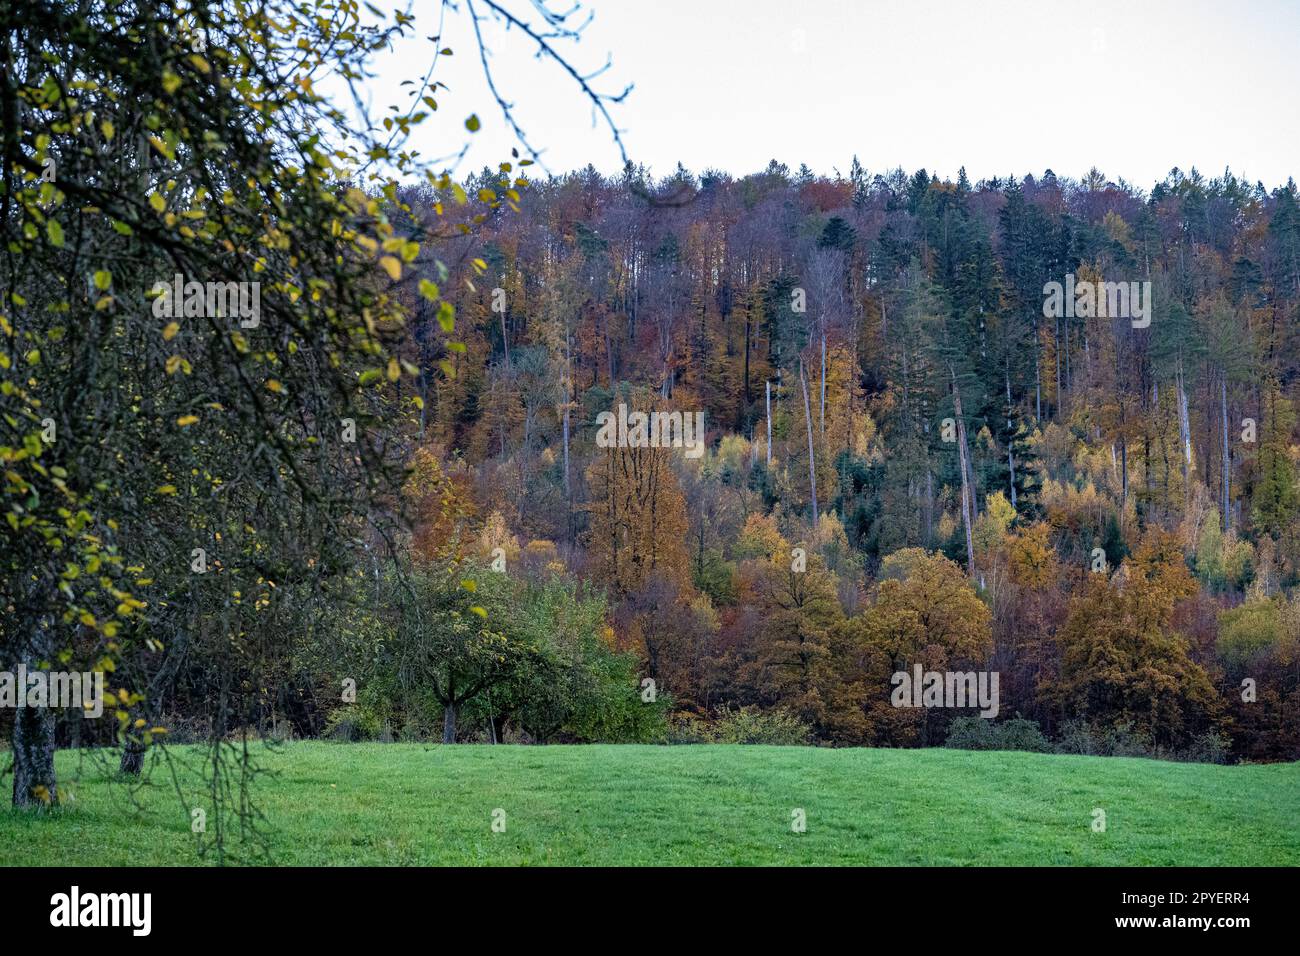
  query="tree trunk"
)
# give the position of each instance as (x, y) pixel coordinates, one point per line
(505, 340)
(173, 656)
(449, 724)
(748, 315)
(1056, 348)
(568, 490)
(33, 742)
(1038, 388)
(769, 424)
(1184, 424)
(1011, 437)
(609, 354)
(966, 490)
(132, 758)
(33, 735)
(1223, 405)
(928, 510)
(812, 460)
(823, 408)
(1123, 469)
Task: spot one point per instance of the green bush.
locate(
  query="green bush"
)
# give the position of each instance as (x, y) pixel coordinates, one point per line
(352, 725)
(1209, 747)
(745, 725)
(1080, 737)
(979, 733)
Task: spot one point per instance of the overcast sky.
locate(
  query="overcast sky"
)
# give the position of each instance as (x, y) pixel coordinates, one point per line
(1134, 87)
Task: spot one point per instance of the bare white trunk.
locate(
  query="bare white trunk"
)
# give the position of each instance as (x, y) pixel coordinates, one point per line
(1184, 423)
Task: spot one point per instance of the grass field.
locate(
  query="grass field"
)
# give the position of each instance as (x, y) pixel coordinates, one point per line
(331, 804)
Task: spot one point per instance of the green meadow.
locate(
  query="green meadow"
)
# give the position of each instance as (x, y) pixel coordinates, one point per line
(412, 804)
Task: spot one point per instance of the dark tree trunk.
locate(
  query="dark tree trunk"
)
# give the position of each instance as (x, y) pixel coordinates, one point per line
(747, 394)
(967, 489)
(1227, 463)
(133, 753)
(132, 758)
(34, 782)
(449, 724)
(33, 736)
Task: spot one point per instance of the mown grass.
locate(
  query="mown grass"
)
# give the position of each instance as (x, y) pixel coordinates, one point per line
(405, 804)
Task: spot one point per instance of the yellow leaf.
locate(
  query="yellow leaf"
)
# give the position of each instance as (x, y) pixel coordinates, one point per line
(186, 420)
(162, 147)
(392, 266)
(169, 333)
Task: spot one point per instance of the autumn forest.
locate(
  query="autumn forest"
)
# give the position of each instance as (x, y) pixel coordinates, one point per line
(909, 458)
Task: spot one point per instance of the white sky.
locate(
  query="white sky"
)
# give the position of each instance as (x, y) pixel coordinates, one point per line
(1134, 87)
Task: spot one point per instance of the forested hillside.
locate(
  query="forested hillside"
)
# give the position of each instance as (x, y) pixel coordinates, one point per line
(909, 458)
(323, 456)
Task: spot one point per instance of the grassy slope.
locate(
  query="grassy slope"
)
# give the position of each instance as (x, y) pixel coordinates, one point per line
(416, 804)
